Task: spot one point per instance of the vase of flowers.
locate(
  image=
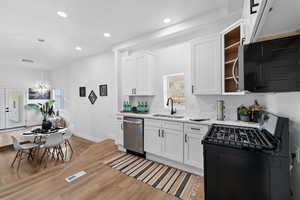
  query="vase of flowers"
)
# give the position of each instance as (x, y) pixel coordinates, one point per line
(47, 110)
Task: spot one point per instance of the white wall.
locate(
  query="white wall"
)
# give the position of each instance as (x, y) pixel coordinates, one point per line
(94, 122)
(23, 78)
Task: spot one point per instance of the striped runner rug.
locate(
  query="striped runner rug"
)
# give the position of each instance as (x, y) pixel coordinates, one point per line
(181, 184)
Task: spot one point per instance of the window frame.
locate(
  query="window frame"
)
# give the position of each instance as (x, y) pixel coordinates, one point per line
(165, 91)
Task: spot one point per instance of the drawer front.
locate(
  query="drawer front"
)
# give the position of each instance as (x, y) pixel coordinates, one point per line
(152, 123)
(176, 126)
(195, 129)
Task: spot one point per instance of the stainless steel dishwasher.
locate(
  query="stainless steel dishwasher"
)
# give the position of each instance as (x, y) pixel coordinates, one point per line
(134, 134)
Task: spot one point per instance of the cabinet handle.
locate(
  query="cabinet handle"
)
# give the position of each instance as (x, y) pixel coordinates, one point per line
(122, 126)
(133, 91)
(163, 133)
(185, 138)
(192, 89)
(196, 129)
(158, 132)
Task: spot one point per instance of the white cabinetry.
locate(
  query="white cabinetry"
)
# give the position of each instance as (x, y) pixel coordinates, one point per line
(164, 138)
(193, 148)
(119, 130)
(138, 75)
(152, 140)
(206, 66)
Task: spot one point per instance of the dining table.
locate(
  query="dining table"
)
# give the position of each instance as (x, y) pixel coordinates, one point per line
(39, 136)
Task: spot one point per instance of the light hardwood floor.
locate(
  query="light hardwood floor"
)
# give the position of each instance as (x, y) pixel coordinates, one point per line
(10, 175)
(101, 181)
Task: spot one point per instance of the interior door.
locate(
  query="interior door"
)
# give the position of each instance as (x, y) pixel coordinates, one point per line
(173, 145)
(2, 108)
(14, 108)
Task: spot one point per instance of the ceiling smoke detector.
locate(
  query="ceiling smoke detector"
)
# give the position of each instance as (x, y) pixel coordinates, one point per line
(27, 60)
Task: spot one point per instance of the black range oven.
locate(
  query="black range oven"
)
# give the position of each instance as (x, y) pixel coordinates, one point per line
(244, 163)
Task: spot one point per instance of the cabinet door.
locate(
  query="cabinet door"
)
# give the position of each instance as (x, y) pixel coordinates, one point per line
(129, 76)
(193, 150)
(119, 131)
(206, 66)
(142, 69)
(152, 140)
(144, 73)
(173, 145)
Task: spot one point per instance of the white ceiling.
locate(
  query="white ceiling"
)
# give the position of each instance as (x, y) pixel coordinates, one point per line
(23, 22)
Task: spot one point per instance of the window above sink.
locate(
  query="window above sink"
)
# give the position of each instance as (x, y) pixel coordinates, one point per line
(174, 87)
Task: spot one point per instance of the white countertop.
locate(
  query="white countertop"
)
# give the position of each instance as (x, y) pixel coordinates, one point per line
(186, 119)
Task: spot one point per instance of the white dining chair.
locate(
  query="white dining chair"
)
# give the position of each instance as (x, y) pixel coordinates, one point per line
(52, 147)
(67, 136)
(21, 149)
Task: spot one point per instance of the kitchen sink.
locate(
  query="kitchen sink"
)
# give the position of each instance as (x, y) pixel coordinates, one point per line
(168, 116)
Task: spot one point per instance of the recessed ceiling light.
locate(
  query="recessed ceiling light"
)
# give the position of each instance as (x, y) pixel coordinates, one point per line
(107, 35)
(62, 14)
(27, 60)
(41, 40)
(167, 20)
(78, 48)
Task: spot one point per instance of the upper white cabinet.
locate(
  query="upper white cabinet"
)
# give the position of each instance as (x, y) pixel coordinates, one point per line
(206, 66)
(138, 75)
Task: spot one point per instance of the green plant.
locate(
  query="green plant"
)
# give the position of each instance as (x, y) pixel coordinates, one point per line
(46, 109)
(244, 111)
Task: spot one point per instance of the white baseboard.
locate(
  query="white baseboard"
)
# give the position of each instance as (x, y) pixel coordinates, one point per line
(90, 137)
(175, 164)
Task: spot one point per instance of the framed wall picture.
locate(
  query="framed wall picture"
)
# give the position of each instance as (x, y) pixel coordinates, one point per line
(92, 97)
(37, 94)
(103, 90)
(82, 91)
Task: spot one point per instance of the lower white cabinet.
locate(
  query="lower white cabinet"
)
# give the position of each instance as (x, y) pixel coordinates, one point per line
(173, 145)
(193, 148)
(176, 141)
(164, 139)
(152, 140)
(119, 129)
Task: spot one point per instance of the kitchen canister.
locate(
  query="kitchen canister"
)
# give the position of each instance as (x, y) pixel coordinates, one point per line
(220, 110)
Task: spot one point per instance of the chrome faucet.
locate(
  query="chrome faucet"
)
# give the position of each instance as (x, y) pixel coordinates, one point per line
(173, 110)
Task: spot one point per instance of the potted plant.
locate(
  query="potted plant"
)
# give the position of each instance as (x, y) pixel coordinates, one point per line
(46, 110)
(244, 113)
